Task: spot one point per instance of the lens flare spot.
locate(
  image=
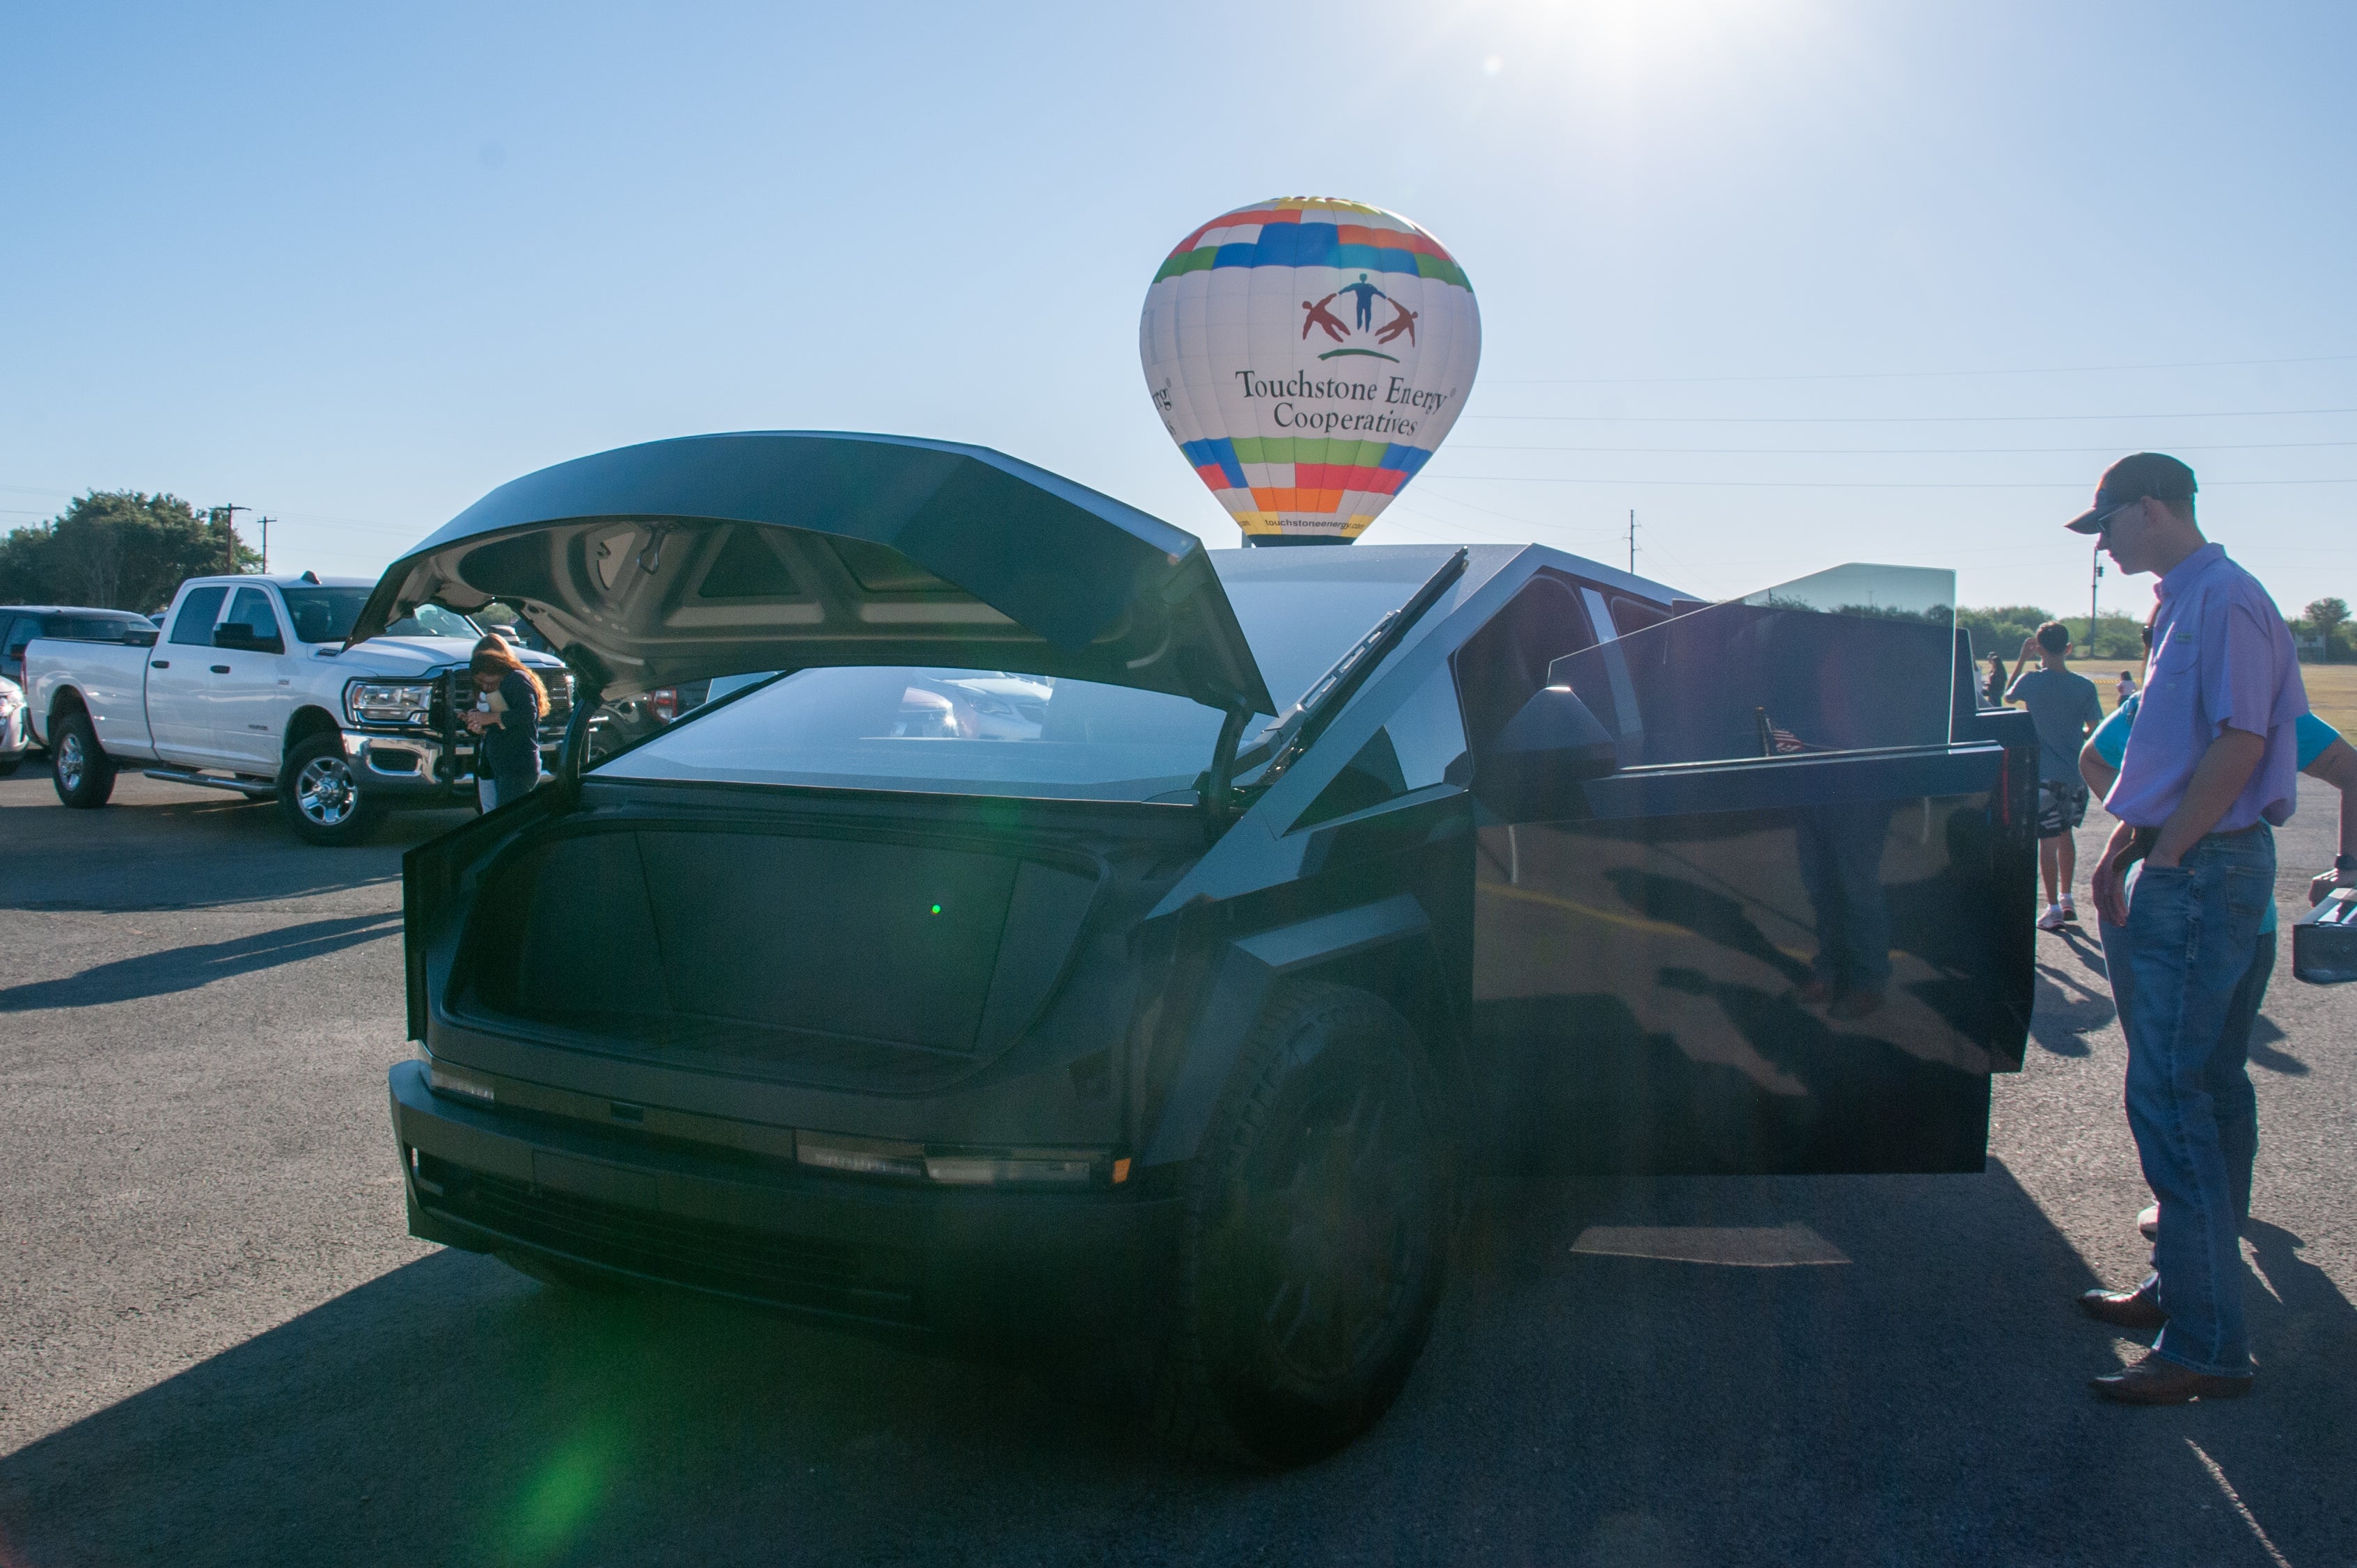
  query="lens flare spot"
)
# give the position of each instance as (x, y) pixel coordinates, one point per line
(558, 1500)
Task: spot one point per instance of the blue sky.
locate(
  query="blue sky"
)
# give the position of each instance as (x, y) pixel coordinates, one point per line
(1799, 282)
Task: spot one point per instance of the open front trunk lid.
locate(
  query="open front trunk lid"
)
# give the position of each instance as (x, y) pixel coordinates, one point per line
(718, 555)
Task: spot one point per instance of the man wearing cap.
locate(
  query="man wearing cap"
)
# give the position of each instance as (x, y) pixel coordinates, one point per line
(2196, 797)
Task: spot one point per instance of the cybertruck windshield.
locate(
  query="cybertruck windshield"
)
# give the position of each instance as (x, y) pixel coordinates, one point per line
(1859, 657)
(991, 732)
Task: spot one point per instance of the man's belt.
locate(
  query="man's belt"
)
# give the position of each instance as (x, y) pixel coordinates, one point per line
(2140, 844)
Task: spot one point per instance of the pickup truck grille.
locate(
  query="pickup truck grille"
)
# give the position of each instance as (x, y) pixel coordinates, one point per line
(453, 694)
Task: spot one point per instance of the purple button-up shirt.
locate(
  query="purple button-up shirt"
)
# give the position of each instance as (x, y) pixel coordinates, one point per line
(2221, 658)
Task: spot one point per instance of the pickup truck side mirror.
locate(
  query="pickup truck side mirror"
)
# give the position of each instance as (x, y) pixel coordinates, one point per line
(1531, 771)
(241, 638)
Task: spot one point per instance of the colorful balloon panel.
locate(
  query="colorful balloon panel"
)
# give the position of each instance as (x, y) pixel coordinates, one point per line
(1307, 355)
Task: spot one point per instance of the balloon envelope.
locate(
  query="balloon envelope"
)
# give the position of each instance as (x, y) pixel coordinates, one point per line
(1308, 354)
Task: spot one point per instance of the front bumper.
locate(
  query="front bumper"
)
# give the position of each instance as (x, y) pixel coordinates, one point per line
(1000, 1265)
(405, 767)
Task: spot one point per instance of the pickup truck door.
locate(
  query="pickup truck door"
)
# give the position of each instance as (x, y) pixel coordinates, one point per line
(1778, 934)
(180, 677)
(250, 702)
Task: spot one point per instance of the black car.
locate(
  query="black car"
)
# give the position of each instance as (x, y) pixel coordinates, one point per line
(20, 624)
(1168, 1015)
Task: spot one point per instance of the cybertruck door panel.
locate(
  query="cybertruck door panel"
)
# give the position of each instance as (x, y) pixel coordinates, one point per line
(1651, 978)
(1777, 939)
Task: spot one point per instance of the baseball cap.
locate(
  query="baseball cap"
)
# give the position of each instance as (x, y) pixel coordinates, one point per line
(2132, 478)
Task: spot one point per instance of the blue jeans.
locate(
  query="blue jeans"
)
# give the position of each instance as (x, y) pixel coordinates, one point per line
(2229, 1078)
(2177, 974)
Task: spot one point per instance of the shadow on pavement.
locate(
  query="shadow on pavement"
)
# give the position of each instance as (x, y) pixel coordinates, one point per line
(165, 846)
(170, 970)
(1925, 1402)
(2074, 995)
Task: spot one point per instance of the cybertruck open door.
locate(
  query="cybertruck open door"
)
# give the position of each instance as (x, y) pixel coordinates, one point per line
(1771, 916)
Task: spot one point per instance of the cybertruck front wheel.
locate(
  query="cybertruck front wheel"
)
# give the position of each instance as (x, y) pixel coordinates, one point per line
(1316, 1234)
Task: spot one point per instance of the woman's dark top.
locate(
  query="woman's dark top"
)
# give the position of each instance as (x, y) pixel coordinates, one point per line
(512, 746)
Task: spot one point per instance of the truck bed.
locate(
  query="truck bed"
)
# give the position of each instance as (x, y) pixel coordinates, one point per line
(111, 679)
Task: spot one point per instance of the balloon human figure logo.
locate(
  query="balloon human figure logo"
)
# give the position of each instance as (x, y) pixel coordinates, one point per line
(1307, 355)
(1315, 314)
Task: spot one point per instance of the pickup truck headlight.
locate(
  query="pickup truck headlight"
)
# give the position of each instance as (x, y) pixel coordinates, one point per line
(9, 704)
(388, 702)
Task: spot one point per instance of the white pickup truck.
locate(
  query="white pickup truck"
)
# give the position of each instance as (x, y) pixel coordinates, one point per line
(250, 687)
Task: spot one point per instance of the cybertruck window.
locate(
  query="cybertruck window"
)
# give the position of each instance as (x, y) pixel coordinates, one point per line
(1302, 609)
(1859, 657)
(940, 731)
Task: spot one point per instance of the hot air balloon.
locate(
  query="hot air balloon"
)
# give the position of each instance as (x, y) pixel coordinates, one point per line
(1308, 354)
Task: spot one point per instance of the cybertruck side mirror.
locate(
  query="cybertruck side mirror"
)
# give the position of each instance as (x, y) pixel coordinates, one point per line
(1533, 771)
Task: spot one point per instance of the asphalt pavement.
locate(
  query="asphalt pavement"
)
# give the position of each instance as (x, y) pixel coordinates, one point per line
(218, 1344)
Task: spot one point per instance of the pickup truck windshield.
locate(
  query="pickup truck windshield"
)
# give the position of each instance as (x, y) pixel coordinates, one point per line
(981, 732)
(326, 615)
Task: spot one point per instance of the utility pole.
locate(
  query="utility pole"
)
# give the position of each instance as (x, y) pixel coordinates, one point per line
(265, 548)
(1633, 542)
(227, 517)
(2092, 584)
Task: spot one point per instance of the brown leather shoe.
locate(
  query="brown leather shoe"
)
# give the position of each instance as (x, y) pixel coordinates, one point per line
(2156, 1381)
(2135, 1310)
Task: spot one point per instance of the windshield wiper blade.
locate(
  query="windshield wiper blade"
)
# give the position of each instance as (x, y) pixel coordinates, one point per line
(1298, 728)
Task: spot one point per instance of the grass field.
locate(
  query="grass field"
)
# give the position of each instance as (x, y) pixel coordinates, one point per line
(2332, 688)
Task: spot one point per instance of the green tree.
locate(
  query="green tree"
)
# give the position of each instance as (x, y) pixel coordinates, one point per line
(2325, 618)
(1999, 628)
(121, 549)
(2116, 637)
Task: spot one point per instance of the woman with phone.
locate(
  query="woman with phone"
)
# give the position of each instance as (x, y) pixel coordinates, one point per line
(509, 704)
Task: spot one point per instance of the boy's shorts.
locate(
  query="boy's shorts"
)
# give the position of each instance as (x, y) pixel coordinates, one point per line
(2062, 806)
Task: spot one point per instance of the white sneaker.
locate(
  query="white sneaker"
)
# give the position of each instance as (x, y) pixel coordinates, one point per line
(2052, 919)
(2069, 915)
(2149, 1222)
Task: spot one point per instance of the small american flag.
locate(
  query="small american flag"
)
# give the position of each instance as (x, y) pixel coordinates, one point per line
(1776, 741)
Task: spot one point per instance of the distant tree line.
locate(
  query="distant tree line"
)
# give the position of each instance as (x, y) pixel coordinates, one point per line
(119, 550)
(2000, 629)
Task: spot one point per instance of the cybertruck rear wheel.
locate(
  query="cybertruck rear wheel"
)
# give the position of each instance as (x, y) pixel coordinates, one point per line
(1316, 1236)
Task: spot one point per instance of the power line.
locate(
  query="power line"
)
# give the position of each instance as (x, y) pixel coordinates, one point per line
(1896, 418)
(1915, 375)
(1894, 451)
(1833, 484)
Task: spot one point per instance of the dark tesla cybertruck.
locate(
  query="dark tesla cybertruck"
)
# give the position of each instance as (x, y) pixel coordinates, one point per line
(1094, 938)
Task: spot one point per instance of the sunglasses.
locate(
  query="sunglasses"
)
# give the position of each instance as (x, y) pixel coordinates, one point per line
(2103, 522)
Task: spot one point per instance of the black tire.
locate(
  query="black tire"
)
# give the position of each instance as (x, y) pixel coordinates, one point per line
(81, 771)
(563, 1274)
(1316, 1240)
(321, 799)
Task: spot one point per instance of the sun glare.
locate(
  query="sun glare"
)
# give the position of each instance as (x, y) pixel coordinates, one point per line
(1639, 40)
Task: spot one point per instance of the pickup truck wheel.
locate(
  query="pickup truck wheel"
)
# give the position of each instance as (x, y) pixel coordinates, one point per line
(322, 797)
(83, 774)
(1316, 1237)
